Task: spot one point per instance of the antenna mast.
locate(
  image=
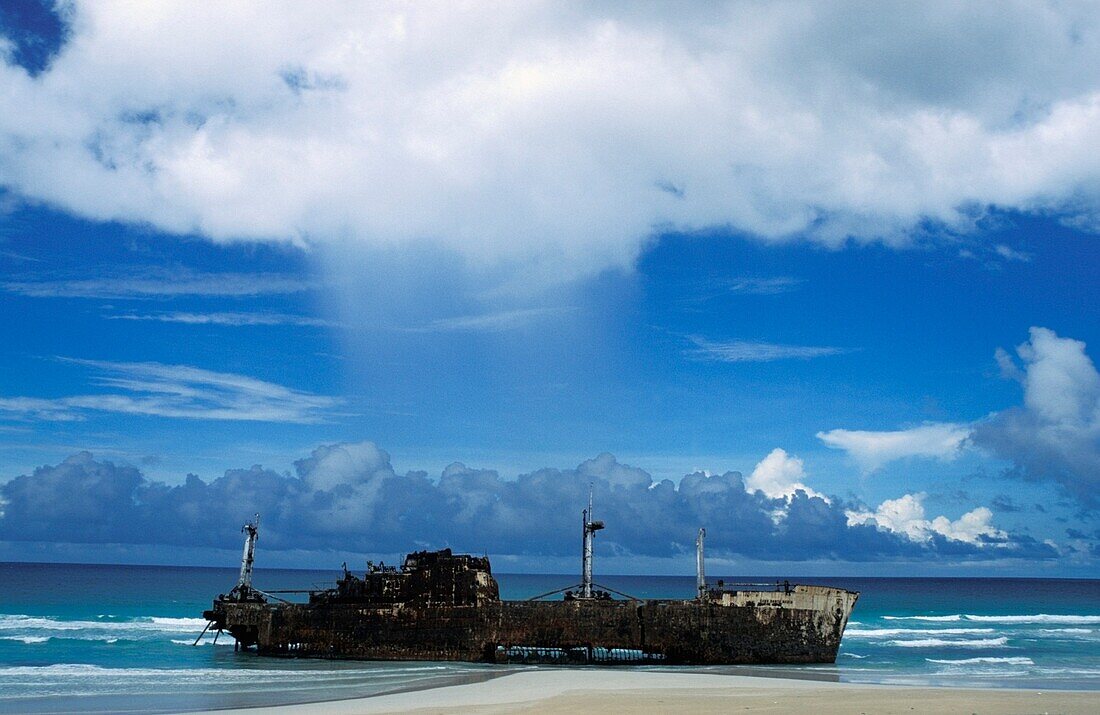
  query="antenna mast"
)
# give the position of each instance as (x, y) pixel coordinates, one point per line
(590, 529)
(700, 574)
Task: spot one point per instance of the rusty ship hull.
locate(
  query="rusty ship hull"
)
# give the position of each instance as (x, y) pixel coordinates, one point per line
(802, 624)
(446, 607)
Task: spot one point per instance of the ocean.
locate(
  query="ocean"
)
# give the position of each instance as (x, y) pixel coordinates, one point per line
(98, 638)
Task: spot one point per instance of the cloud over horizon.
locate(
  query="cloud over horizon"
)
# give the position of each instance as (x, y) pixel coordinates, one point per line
(558, 137)
(349, 497)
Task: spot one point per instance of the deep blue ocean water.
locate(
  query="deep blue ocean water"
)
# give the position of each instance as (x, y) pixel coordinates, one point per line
(115, 638)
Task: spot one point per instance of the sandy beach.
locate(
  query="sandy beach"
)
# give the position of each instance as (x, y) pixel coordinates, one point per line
(646, 692)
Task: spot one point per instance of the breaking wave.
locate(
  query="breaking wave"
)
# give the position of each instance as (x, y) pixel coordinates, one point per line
(1037, 618)
(1065, 630)
(187, 623)
(16, 621)
(217, 675)
(881, 632)
(1019, 660)
(944, 643)
(26, 639)
(1033, 618)
(36, 630)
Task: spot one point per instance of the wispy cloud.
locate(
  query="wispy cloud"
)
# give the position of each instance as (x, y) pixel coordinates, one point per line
(748, 351)
(161, 285)
(711, 289)
(1011, 254)
(178, 391)
(19, 257)
(872, 450)
(491, 322)
(765, 286)
(231, 319)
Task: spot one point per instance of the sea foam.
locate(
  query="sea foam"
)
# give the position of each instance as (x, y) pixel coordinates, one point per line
(882, 632)
(1019, 660)
(1036, 618)
(1065, 630)
(944, 643)
(17, 621)
(1007, 619)
(26, 639)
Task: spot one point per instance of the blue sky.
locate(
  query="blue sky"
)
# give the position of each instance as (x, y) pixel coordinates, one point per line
(870, 337)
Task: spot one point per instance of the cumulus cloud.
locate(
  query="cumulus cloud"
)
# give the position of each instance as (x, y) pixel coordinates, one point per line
(179, 391)
(872, 450)
(349, 497)
(905, 515)
(558, 135)
(1055, 434)
(779, 475)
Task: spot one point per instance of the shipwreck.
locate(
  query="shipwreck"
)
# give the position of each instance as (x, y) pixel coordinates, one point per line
(442, 606)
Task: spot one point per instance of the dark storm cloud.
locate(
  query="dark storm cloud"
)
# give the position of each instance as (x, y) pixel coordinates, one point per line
(348, 497)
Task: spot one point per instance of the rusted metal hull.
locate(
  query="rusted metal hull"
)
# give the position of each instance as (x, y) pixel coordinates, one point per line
(803, 626)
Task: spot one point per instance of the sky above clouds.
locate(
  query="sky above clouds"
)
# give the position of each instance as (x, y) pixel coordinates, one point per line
(820, 276)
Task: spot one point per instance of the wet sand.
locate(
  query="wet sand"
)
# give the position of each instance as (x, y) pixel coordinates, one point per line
(640, 692)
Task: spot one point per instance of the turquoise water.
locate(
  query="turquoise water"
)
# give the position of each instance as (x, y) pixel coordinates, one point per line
(114, 638)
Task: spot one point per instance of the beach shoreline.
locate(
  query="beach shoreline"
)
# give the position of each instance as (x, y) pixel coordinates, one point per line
(569, 691)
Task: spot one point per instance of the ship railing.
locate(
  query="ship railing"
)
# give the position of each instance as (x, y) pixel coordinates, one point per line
(577, 586)
(784, 586)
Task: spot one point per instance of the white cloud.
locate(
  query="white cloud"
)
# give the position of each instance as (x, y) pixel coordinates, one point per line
(228, 318)
(747, 351)
(558, 135)
(779, 475)
(19, 257)
(1061, 385)
(178, 391)
(765, 286)
(161, 284)
(905, 515)
(1056, 433)
(872, 450)
(353, 464)
(1011, 254)
(491, 322)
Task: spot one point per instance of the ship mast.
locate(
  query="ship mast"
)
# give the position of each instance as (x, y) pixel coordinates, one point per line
(590, 529)
(700, 574)
(251, 530)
